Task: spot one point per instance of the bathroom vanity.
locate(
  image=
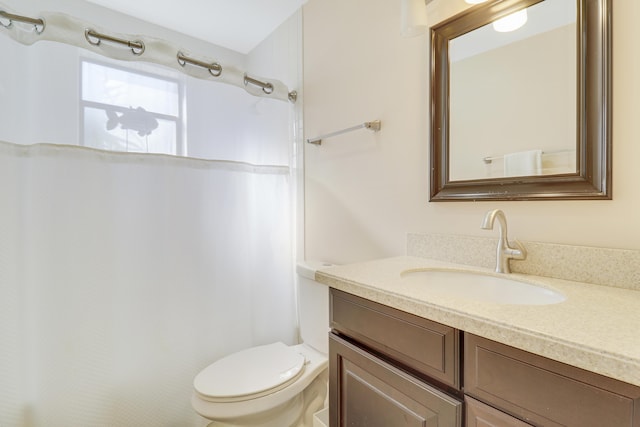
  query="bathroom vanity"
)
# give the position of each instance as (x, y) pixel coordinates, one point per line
(402, 352)
(386, 365)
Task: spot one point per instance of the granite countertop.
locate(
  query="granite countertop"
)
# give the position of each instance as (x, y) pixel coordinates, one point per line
(596, 328)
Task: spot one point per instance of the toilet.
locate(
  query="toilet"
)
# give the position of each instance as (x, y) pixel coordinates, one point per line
(273, 385)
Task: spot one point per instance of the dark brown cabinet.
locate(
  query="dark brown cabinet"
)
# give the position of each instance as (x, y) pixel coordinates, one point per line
(481, 415)
(544, 392)
(388, 368)
(366, 391)
(427, 347)
(380, 363)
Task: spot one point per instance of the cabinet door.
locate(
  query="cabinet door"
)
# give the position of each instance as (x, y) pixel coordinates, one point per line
(481, 415)
(544, 392)
(365, 391)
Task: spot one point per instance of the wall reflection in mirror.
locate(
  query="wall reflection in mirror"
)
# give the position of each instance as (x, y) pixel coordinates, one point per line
(513, 95)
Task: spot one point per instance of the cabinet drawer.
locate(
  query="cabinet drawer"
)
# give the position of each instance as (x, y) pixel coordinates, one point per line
(369, 392)
(420, 344)
(481, 415)
(544, 392)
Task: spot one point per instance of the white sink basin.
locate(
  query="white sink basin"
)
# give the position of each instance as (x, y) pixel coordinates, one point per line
(485, 287)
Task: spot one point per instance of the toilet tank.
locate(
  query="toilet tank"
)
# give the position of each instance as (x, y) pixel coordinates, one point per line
(313, 306)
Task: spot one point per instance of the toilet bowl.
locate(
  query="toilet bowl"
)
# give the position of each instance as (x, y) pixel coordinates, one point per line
(273, 385)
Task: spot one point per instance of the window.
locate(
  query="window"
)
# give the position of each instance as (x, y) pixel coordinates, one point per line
(129, 110)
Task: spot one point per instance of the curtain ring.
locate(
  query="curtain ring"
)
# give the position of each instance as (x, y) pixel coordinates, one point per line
(9, 25)
(268, 89)
(215, 67)
(43, 25)
(87, 34)
(140, 47)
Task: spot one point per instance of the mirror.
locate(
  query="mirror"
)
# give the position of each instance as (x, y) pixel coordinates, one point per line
(523, 114)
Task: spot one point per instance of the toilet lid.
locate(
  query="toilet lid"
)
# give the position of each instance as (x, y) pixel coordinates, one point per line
(249, 373)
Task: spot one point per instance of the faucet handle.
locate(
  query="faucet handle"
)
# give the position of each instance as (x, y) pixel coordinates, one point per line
(517, 252)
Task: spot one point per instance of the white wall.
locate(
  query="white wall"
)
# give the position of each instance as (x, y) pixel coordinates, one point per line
(365, 191)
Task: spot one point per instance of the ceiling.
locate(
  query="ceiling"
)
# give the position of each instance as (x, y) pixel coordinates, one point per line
(238, 25)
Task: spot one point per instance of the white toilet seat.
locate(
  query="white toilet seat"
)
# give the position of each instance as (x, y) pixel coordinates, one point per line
(280, 405)
(250, 374)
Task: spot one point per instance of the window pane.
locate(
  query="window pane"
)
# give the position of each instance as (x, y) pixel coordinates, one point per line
(129, 89)
(131, 130)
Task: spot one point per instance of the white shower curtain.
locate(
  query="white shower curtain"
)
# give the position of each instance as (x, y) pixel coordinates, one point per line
(123, 275)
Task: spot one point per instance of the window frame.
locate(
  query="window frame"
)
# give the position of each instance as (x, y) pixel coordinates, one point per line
(179, 120)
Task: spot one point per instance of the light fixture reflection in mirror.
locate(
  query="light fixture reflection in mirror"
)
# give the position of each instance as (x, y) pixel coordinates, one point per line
(511, 22)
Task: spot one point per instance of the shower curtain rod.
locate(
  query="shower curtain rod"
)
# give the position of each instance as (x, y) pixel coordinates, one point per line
(11, 17)
(66, 29)
(137, 44)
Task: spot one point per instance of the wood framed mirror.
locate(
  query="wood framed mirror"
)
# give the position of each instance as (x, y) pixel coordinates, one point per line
(524, 115)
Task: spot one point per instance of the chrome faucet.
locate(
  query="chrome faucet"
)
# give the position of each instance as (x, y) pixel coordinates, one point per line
(504, 252)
